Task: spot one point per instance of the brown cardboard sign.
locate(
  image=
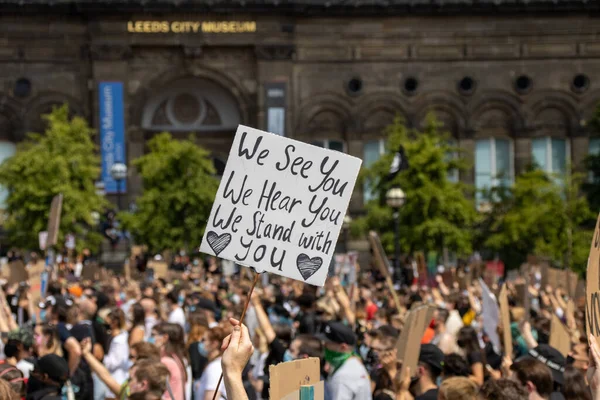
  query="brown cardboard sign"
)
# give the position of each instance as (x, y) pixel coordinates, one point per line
(286, 378)
(161, 268)
(409, 343)
(318, 394)
(505, 319)
(54, 220)
(592, 293)
(559, 336)
(15, 272)
(384, 265)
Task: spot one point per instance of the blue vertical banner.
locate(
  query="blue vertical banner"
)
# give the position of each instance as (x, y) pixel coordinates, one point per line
(112, 132)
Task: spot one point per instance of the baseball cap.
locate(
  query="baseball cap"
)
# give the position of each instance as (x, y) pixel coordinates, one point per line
(552, 358)
(337, 332)
(432, 356)
(22, 335)
(55, 367)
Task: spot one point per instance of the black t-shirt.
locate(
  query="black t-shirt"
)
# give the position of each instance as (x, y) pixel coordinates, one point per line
(308, 324)
(474, 358)
(197, 361)
(428, 395)
(382, 380)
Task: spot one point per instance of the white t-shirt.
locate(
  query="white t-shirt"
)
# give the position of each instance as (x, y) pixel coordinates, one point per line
(177, 316)
(351, 381)
(209, 380)
(25, 367)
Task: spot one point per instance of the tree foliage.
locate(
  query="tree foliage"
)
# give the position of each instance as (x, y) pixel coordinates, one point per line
(539, 215)
(62, 160)
(179, 189)
(437, 213)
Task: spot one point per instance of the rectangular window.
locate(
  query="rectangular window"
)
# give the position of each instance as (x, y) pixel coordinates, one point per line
(336, 145)
(453, 175)
(550, 154)
(493, 164)
(373, 150)
(594, 149)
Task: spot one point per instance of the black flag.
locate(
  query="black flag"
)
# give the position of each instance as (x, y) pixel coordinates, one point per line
(399, 163)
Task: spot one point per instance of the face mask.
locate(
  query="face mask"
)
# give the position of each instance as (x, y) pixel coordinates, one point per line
(287, 356)
(181, 300)
(38, 340)
(151, 340)
(335, 358)
(438, 381)
(202, 349)
(43, 315)
(363, 351)
(123, 296)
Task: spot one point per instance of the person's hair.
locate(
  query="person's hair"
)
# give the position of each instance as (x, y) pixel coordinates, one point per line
(283, 333)
(458, 388)
(138, 315)
(310, 345)
(146, 351)
(153, 372)
(173, 296)
(198, 326)
(217, 334)
(467, 340)
(455, 366)
(503, 389)
(14, 377)
(434, 373)
(7, 392)
(54, 345)
(536, 372)
(575, 387)
(175, 345)
(116, 314)
(443, 314)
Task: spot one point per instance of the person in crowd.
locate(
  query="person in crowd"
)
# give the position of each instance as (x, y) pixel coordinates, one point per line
(7, 392)
(46, 340)
(176, 313)
(384, 348)
(149, 381)
(210, 347)
(502, 389)
(468, 342)
(48, 378)
(455, 366)
(554, 360)
(117, 358)
(458, 388)
(19, 347)
(14, 377)
(575, 387)
(535, 377)
(150, 315)
(170, 340)
(348, 378)
(198, 361)
(137, 332)
(424, 381)
(237, 349)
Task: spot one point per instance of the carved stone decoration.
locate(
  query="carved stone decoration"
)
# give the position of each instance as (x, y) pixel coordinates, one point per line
(275, 52)
(110, 52)
(192, 52)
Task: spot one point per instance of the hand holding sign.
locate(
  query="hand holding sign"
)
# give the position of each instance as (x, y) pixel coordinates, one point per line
(280, 205)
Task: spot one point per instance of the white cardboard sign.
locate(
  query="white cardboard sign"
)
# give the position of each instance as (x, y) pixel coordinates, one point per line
(280, 205)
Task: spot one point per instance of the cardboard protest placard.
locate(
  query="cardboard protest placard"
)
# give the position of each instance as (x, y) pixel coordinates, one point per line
(592, 293)
(161, 268)
(15, 272)
(54, 220)
(505, 315)
(90, 272)
(409, 343)
(559, 336)
(280, 205)
(383, 264)
(491, 314)
(287, 378)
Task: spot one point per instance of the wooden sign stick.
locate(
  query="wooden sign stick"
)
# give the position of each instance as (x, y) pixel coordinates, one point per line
(256, 275)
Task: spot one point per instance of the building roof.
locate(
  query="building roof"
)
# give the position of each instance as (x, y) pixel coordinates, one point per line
(332, 7)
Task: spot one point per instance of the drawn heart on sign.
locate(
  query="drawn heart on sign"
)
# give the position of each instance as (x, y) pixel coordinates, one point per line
(308, 266)
(218, 242)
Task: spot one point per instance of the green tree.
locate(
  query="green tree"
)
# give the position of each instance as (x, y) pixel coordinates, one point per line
(540, 215)
(179, 189)
(62, 160)
(437, 213)
(592, 164)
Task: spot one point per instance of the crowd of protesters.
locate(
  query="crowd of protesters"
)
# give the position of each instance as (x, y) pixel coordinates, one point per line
(156, 338)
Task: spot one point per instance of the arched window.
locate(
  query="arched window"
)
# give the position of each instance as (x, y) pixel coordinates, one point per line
(191, 105)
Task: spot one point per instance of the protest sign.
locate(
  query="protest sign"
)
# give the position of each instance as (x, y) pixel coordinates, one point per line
(312, 392)
(280, 205)
(15, 272)
(160, 268)
(287, 378)
(54, 220)
(383, 264)
(505, 315)
(592, 293)
(409, 343)
(559, 336)
(90, 272)
(490, 314)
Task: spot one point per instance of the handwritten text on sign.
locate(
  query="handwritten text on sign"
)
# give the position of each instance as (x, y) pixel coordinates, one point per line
(592, 303)
(280, 205)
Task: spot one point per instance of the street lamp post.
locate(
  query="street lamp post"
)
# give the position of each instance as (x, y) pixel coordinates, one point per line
(395, 199)
(118, 171)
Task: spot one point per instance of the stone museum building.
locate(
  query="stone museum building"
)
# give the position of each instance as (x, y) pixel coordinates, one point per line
(513, 81)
